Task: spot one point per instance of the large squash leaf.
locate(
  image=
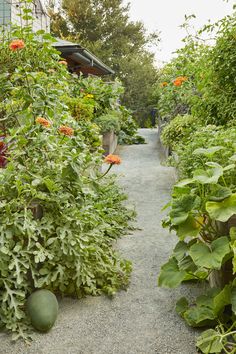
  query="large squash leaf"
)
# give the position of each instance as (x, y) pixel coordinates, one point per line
(209, 342)
(211, 175)
(189, 227)
(207, 152)
(199, 316)
(211, 256)
(222, 210)
(171, 276)
(181, 208)
(219, 193)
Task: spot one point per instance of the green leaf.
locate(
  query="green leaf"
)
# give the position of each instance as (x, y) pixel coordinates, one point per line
(181, 208)
(199, 316)
(223, 210)
(36, 182)
(232, 233)
(209, 342)
(180, 250)
(208, 176)
(181, 306)
(233, 247)
(211, 256)
(207, 152)
(219, 193)
(233, 299)
(171, 276)
(185, 182)
(222, 299)
(229, 167)
(188, 228)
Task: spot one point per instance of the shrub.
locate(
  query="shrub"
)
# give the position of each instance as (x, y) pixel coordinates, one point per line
(203, 204)
(128, 132)
(79, 108)
(109, 122)
(59, 218)
(178, 130)
(206, 138)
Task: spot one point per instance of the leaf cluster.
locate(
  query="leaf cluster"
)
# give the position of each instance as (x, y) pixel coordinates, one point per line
(59, 218)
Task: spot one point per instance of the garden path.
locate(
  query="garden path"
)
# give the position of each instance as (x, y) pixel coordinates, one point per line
(141, 320)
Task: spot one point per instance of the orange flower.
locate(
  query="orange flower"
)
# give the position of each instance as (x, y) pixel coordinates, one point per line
(44, 122)
(66, 130)
(163, 84)
(63, 62)
(112, 159)
(179, 80)
(16, 44)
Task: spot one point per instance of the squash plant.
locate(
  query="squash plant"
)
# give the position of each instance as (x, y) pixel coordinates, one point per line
(199, 207)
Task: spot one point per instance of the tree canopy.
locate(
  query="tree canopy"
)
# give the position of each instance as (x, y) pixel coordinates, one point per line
(104, 27)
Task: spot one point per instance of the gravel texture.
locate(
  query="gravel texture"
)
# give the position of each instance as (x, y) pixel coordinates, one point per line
(141, 320)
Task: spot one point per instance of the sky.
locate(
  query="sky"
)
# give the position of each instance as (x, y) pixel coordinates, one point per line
(167, 15)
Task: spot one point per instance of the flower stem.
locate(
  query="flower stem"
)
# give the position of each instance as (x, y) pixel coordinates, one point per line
(104, 174)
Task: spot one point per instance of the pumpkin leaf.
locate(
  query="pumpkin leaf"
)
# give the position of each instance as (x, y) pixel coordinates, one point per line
(181, 306)
(199, 316)
(185, 182)
(219, 193)
(211, 256)
(181, 208)
(209, 342)
(222, 210)
(207, 152)
(189, 227)
(171, 276)
(211, 175)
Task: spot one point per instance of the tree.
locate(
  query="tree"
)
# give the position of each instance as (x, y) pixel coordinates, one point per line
(104, 27)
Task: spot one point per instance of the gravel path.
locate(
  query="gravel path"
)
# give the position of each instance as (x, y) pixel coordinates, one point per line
(141, 320)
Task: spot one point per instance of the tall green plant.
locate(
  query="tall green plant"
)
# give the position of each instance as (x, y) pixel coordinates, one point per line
(59, 217)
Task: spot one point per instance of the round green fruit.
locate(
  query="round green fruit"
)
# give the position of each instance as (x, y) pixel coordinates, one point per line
(42, 307)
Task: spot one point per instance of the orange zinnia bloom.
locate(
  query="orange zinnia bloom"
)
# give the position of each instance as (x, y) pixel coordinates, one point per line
(63, 62)
(179, 80)
(163, 84)
(16, 44)
(66, 130)
(44, 122)
(112, 159)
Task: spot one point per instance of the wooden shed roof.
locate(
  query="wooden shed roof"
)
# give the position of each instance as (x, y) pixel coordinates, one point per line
(80, 59)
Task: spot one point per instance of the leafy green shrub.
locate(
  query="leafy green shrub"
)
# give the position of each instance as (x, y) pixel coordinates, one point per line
(203, 204)
(109, 122)
(178, 130)
(199, 208)
(104, 98)
(216, 84)
(59, 218)
(219, 141)
(128, 132)
(79, 108)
